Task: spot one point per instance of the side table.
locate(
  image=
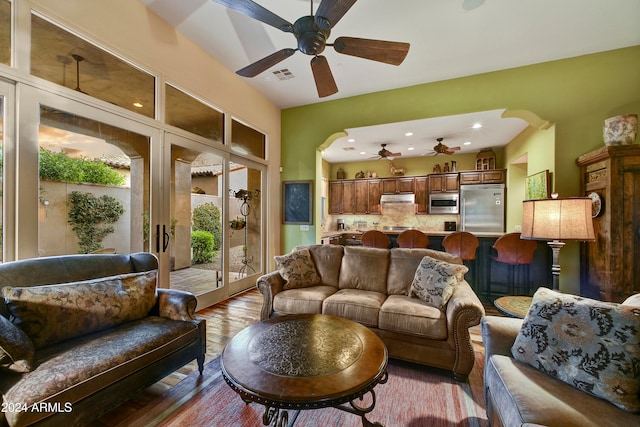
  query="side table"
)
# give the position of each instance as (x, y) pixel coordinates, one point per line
(514, 306)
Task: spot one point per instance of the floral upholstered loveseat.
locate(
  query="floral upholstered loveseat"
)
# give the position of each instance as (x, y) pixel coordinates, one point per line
(571, 362)
(387, 290)
(80, 334)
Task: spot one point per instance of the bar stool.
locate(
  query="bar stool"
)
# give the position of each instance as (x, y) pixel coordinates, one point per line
(463, 244)
(517, 254)
(375, 239)
(413, 239)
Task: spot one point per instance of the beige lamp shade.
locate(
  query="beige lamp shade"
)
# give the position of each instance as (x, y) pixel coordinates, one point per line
(558, 219)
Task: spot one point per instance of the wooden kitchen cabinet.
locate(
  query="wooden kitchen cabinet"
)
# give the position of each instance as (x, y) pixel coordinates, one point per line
(397, 185)
(421, 184)
(342, 197)
(491, 176)
(367, 196)
(375, 191)
(444, 183)
(609, 267)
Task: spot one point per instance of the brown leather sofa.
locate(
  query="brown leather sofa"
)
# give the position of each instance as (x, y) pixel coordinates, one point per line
(371, 286)
(77, 380)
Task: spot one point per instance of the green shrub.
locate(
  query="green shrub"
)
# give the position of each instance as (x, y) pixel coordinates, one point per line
(91, 218)
(207, 217)
(58, 166)
(202, 245)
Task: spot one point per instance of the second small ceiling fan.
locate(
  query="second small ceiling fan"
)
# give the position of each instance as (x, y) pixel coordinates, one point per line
(440, 148)
(312, 33)
(386, 154)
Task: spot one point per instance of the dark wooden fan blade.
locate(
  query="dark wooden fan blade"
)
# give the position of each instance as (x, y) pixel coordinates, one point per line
(325, 83)
(255, 11)
(377, 50)
(265, 63)
(331, 11)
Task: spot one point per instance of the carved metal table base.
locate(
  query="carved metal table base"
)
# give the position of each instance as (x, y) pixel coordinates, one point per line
(304, 362)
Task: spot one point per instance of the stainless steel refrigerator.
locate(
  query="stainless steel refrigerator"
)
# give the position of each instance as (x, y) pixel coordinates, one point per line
(482, 208)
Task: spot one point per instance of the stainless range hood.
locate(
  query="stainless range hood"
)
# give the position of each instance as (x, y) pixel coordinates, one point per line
(398, 198)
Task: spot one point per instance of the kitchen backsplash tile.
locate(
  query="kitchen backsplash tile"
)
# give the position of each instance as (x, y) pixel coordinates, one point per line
(392, 215)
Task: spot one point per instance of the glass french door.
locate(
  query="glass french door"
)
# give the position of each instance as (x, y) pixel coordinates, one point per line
(86, 179)
(7, 168)
(215, 216)
(90, 180)
(246, 204)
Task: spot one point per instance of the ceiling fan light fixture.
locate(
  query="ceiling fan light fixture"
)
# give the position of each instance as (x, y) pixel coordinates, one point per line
(312, 33)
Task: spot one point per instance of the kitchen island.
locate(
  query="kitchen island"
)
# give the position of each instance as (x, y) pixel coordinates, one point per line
(540, 271)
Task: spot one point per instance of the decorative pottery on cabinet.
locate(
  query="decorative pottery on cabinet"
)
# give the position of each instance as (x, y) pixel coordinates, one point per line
(620, 130)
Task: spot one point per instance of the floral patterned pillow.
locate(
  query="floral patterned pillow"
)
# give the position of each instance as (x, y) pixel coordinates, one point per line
(53, 313)
(16, 349)
(434, 281)
(298, 269)
(591, 345)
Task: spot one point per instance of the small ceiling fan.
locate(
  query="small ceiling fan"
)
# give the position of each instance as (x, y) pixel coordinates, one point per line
(440, 148)
(312, 33)
(386, 154)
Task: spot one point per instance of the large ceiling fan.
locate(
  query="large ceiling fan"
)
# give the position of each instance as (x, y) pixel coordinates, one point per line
(312, 33)
(440, 148)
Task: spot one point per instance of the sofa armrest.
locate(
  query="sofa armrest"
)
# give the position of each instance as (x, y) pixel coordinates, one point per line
(269, 285)
(499, 334)
(464, 308)
(177, 305)
(463, 311)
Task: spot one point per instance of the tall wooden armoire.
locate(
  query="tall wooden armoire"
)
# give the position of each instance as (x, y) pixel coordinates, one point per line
(610, 267)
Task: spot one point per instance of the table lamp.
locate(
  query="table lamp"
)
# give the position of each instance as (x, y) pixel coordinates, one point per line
(557, 220)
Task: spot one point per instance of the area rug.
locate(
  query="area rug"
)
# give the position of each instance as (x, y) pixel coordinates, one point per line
(414, 396)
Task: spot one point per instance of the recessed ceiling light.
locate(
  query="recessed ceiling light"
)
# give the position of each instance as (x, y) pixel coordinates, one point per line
(477, 125)
(351, 140)
(408, 134)
(467, 143)
(363, 152)
(137, 105)
(411, 148)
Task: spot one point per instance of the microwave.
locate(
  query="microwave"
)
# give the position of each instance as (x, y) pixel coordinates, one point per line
(443, 203)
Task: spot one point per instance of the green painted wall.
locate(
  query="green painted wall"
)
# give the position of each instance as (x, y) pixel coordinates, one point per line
(537, 148)
(575, 94)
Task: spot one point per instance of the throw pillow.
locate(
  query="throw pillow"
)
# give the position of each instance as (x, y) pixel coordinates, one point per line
(16, 349)
(434, 281)
(591, 345)
(633, 300)
(298, 269)
(52, 313)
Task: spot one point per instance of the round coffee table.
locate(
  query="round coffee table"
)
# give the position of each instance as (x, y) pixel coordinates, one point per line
(305, 361)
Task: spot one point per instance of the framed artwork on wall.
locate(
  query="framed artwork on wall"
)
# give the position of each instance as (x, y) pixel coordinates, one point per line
(297, 202)
(538, 186)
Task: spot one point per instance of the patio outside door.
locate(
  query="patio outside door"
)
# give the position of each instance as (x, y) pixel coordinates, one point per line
(85, 179)
(214, 220)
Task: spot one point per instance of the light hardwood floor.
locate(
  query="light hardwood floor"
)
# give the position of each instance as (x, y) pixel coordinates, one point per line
(224, 320)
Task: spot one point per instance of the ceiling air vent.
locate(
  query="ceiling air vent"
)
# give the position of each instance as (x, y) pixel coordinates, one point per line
(284, 74)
